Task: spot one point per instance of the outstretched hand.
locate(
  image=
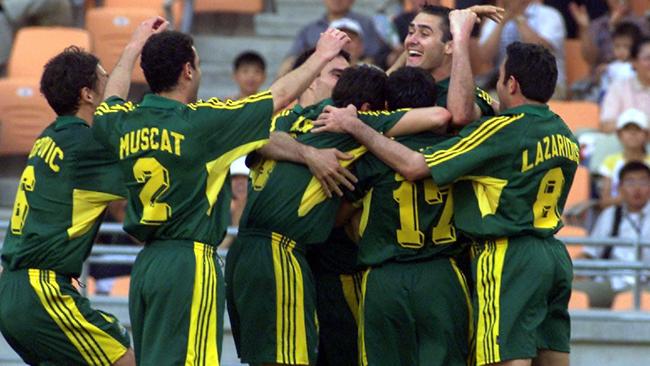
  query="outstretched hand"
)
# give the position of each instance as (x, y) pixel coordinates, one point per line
(148, 28)
(335, 119)
(488, 11)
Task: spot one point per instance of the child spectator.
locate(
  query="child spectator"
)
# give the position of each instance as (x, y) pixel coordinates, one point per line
(629, 220)
(624, 37)
(249, 72)
(632, 132)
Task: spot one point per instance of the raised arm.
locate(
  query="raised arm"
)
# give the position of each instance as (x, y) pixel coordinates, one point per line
(403, 160)
(291, 85)
(119, 81)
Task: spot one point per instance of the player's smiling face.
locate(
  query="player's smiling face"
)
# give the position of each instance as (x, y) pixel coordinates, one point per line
(424, 43)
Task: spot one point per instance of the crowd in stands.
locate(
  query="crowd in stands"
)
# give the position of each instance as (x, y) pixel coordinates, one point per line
(613, 37)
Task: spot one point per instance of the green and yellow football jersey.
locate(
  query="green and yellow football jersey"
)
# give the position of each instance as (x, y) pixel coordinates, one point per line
(403, 220)
(285, 197)
(512, 172)
(175, 159)
(481, 98)
(65, 187)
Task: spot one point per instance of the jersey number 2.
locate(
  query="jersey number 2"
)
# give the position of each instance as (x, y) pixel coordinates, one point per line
(409, 234)
(21, 207)
(156, 182)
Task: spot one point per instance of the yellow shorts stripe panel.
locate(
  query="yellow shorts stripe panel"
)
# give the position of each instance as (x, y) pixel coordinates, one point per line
(488, 287)
(291, 333)
(363, 356)
(95, 346)
(470, 311)
(202, 336)
(350, 284)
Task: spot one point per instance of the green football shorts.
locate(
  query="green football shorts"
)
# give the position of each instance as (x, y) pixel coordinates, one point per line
(415, 313)
(523, 286)
(271, 300)
(45, 320)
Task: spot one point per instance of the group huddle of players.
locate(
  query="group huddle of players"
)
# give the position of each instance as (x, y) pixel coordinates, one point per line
(437, 248)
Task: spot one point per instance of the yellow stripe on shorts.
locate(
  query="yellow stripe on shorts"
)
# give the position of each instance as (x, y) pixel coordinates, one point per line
(351, 286)
(363, 356)
(470, 313)
(202, 336)
(291, 334)
(488, 289)
(95, 346)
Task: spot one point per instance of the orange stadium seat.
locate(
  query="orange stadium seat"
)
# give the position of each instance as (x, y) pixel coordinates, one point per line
(579, 300)
(625, 301)
(577, 114)
(573, 231)
(580, 189)
(111, 30)
(576, 66)
(229, 6)
(34, 46)
(640, 7)
(24, 113)
(157, 5)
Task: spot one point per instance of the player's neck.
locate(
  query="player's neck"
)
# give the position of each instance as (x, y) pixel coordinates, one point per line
(85, 113)
(177, 95)
(441, 73)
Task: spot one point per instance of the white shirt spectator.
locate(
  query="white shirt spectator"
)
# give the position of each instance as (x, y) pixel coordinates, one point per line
(623, 95)
(633, 226)
(617, 70)
(546, 21)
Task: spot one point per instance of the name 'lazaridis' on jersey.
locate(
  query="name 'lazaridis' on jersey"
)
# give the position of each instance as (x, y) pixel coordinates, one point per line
(549, 147)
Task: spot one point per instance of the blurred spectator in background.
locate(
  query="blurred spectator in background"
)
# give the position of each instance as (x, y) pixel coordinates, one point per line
(356, 45)
(595, 8)
(239, 183)
(629, 220)
(633, 92)
(249, 72)
(624, 37)
(105, 273)
(632, 132)
(596, 36)
(526, 21)
(374, 47)
(20, 13)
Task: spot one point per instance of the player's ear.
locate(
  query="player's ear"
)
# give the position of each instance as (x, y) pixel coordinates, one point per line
(86, 95)
(513, 85)
(365, 107)
(188, 70)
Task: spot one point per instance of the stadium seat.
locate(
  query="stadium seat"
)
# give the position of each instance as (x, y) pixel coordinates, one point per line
(157, 5)
(228, 6)
(576, 114)
(576, 66)
(640, 7)
(34, 46)
(111, 30)
(24, 113)
(580, 189)
(624, 301)
(579, 300)
(573, 231)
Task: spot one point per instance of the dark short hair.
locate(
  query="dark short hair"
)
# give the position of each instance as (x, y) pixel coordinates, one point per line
(249, 58)
(633, 166)
(307, 54)
(163, 57)
(65, 75)
(361, 84)
(441, 12)
(535, 69)
(627, 29)
(410, 87)
(637, 46)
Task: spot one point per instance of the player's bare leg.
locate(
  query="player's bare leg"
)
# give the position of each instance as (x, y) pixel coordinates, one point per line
(127, 360)
(551, 358)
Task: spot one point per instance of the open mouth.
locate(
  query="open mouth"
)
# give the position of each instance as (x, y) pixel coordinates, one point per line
(414, 58)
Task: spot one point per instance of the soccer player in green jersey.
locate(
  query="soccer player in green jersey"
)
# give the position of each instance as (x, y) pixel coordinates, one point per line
(272, 308)
(415, 301)
(512, 174)
(174, 153)
(429, 45)
(63, 191)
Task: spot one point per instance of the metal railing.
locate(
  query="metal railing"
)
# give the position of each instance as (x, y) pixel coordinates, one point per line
(584, 267)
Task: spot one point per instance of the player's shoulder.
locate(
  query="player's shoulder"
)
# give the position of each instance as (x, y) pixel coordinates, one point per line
(114, 105)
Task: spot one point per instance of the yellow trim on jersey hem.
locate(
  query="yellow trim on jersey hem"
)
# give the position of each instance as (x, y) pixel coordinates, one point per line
(291, 334)
(93, 344)
(473, 140)
(488, 289)
(202, 335)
